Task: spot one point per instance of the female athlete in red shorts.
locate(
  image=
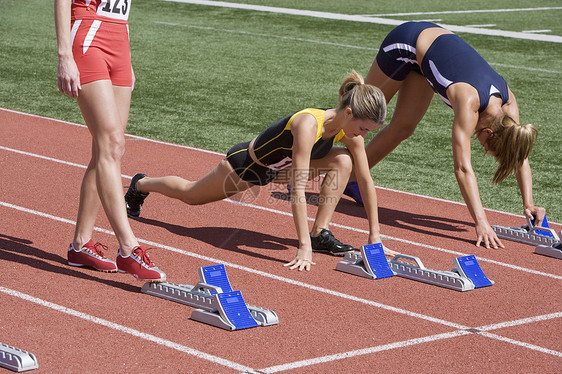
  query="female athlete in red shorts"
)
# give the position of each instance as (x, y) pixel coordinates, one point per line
(95, 68)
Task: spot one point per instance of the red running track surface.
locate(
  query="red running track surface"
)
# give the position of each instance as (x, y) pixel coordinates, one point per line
(80, 320)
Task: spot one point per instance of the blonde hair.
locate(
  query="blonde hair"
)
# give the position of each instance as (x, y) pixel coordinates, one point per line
(512, 144)
(366, 101)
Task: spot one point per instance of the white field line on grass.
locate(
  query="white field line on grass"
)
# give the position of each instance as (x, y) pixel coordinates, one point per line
(242, 32)
(127, 330)
(350, 228)
(368, 19)
(467, 11)
(461, 329)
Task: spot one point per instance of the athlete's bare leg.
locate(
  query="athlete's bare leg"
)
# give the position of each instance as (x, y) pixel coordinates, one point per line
(218, 184)
(105, 109)
(414, 97)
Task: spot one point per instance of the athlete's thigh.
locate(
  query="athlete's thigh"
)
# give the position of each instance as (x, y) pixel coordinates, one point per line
(101, 109)
(122, 96)
(387, 85)
(219, 183)
(414, 97)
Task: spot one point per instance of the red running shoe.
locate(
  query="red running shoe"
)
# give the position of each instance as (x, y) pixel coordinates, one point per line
(91, 255)
(139, 265)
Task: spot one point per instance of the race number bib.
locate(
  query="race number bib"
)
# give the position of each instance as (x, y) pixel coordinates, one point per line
(116, 9)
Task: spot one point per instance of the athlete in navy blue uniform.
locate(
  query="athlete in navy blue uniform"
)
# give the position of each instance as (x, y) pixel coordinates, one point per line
(417, 59)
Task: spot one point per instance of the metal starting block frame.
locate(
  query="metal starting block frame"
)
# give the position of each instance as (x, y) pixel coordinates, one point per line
(375, 265)
(554, 250)
(467, 274)
(16, 359)
(529, 233)
(217, 304)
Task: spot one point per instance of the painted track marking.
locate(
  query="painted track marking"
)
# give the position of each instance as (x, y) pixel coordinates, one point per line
(462, 329)
(367, 19)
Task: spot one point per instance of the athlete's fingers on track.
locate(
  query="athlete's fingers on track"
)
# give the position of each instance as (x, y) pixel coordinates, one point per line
(300, 264)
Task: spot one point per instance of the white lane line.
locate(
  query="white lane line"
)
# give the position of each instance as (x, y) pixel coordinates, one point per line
(522, 321)
(258, 207)
(127, 330)
(253, 271)
(242, 32)
(265, 35)
(364, 351)
(375, 20)
(275, 211)
(467, 11)
(522, 344)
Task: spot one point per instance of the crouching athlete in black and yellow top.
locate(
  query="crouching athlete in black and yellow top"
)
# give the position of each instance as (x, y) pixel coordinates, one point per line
(293, 150)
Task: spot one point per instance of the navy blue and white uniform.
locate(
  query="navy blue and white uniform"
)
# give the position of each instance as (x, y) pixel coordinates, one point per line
(448, 60)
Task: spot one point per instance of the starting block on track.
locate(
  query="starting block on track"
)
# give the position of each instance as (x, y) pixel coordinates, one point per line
(216, 302)
(466, 276)
(554, 250)
(529, 234)
(371, 263)
(16, 360)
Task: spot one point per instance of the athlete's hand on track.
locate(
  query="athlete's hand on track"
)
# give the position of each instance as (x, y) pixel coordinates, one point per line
(68, 77)
(487, 236)
(302, 261)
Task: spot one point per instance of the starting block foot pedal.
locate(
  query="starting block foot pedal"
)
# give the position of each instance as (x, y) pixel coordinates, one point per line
(468, 266)
(16, 360)
(217, 303)
(215, 275)
(232, 312)
(529, 233)
(459, 280)
(554, 250)
(370, 262)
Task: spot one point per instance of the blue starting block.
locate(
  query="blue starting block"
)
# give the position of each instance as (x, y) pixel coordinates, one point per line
(468, 266)
(370, 262)
(233, 308)
(215, 275)
(529, 233)
(217, 304)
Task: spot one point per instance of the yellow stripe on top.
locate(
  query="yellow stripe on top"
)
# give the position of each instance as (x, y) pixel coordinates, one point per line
(275, 143)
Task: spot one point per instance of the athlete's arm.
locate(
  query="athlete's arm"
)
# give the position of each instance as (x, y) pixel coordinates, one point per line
(304, 129)
(68, 75)
(465, 102)
(356, 147)
(523, 175)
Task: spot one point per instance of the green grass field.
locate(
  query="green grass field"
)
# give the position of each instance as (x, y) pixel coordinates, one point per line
(209, 77)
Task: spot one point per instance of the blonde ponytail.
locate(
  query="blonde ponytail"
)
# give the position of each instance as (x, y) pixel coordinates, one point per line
(365, 101)
(512, 144)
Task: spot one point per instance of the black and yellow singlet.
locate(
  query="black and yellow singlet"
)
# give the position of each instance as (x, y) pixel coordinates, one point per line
(274, 149)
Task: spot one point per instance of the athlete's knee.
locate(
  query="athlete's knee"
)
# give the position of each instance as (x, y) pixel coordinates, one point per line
(401, 131)
(189, 195)
(111, 146)
(344, 161)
